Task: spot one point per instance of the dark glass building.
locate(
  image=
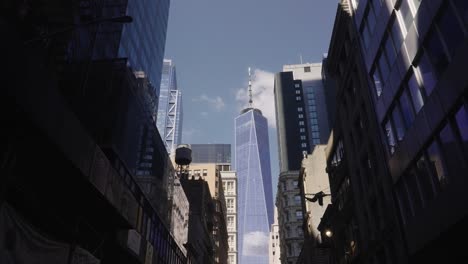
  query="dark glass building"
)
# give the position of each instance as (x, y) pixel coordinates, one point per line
(397, 161)
(143, 41)
(255, 201)
(211, 153)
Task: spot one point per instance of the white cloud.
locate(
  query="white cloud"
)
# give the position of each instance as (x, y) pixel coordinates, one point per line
(216, 102)
(262, 95)
(255, 244)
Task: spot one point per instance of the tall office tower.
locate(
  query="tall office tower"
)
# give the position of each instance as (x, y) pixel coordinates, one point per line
(399, 150)
(169, 115)
(274, 252)
(143, 41)
(229, 180)
(315, 99)
(211, 153)
(292, 114)
(255, 208)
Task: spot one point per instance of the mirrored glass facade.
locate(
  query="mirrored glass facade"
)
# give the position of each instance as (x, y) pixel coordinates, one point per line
(211, 153)
(255, 201)
(144, 39)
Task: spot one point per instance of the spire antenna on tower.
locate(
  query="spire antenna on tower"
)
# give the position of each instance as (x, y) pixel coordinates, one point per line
(250, 90)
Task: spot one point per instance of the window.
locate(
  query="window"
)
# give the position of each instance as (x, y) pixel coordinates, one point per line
(307, 69)
(451, 151)
(390, 137)
(461, 119)
(298, 98)
(302, 130)
(315, 135)
(406, 109)
(421, 169)
(406, 13)
(297, 200)
(301, 116)
(390, 50)
(398, 123)
(299, 215)
(304, 145)
(436, 162)
(315, 128)
(299, 109)
(450, 30)
(295, 184)
(462, 8)
(377, 80)
(315, 141)
(205, 172)
(383, 66)
(298, 91)
(301, 123)
(415, 93)
(424, 67)
(296, 85)
(435, 52)
(230, 205)
(231, 226)
(303, 137)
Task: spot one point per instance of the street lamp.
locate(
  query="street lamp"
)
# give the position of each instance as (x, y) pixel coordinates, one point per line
(119, 19)
(328, 233)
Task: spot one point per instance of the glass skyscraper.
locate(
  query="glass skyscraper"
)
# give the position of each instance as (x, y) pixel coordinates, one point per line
(143, 40)
(169, 117)
(211, 153)
(255, 200)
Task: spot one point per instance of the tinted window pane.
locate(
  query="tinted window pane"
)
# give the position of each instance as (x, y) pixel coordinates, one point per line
(436, 53)
(436, 163)
(462, 8)
(397, 35)
(450, 30)
(425, 179)
(415, 93)
(383, 65)
(390, 51)
(462, 123)
(377, 81)
(398, 123)
(406, 13)
(406, 109)
(451, 151)
(390, 137)
(427, 74)
(365, 34)
(404, 201)
(371, 22)
(414, 189)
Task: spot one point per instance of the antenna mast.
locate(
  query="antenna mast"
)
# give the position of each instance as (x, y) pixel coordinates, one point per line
(250, 90)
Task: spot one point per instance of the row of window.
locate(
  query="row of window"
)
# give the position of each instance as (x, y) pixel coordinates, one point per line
(338, 154)
(443, 160)
(432, 61)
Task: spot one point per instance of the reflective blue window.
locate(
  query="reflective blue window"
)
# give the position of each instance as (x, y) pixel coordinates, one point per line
(406, 109)
(398, 123)
(427, 73)
(462, 8)
(415, 93)
(450, 30)
(390, 136)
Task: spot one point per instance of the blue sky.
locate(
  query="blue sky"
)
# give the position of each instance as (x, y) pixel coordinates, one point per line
(213, 42)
